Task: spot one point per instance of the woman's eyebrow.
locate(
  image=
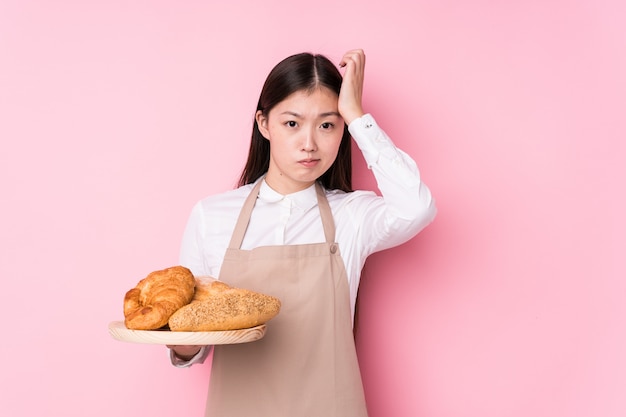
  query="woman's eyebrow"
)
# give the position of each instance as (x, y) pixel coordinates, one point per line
(325, 114)
(291, 113)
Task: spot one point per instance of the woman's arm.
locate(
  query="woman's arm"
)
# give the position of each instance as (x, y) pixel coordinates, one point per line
(406, 206)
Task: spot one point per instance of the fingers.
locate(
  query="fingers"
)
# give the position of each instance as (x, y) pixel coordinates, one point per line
(185, 352)
(185, 349)
(350, 95)
(354, 62)
(355, 57)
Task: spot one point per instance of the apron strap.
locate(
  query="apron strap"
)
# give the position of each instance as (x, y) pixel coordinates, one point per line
(328, 222)
(244, 217)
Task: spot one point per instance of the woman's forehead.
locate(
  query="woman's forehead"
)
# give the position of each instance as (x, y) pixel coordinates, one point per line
(320, 101)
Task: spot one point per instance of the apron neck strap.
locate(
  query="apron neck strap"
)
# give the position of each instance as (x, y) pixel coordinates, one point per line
(326, 215)
(328, 222)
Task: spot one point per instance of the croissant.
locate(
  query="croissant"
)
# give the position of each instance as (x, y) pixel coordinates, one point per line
(217, 306)
(150, 304)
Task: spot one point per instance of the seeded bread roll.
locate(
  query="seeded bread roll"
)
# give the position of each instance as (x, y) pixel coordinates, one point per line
(217, 306)
(150, 304)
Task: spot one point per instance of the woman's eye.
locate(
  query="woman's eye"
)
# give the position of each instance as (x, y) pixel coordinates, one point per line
(327, 125)
(291, 123)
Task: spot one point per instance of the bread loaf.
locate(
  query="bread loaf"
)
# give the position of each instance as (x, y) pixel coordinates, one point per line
(150, 304)
(218, 306)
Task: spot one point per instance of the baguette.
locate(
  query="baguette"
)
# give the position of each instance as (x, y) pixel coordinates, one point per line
(217, 306)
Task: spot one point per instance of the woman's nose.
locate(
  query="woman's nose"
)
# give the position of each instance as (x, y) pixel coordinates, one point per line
(309, 144)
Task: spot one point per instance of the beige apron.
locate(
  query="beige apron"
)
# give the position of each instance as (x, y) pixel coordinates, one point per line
(306, 365)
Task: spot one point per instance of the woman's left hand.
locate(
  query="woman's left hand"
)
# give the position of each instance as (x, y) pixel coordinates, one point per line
(185, 352)
(351, 93)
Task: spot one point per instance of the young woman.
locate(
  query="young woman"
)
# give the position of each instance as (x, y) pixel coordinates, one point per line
(294, 229)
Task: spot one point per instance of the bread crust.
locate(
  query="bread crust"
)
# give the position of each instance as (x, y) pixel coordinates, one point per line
(150, 304)
(217, 306)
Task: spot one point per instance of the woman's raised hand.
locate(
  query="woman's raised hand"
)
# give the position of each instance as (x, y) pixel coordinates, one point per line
(351, 93)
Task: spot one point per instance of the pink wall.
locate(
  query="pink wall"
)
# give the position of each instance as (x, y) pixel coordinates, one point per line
(115, 117)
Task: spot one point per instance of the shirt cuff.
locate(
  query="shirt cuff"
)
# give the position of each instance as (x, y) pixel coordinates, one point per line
(199, 358)
(371, 139)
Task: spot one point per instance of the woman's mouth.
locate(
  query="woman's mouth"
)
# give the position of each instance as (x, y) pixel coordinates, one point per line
(309, 163)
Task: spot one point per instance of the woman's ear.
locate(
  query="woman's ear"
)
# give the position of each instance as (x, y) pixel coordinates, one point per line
(261, 121)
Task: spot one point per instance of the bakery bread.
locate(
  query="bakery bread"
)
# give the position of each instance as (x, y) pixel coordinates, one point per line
(150, 304)
(217, 306)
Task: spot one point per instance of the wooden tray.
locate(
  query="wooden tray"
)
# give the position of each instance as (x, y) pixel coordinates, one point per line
(118, 330)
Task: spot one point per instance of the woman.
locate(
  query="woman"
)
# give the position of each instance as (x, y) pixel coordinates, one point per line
(294, 229)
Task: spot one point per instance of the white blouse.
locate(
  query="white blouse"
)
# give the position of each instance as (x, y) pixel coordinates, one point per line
(365, 222)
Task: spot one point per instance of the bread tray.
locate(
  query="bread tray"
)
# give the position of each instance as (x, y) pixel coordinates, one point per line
(118, 331)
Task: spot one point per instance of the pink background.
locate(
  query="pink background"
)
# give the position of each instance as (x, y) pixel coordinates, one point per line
(117, 116)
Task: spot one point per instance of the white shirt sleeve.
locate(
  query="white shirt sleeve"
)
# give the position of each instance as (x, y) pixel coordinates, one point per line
(407, 205)
(191, 255)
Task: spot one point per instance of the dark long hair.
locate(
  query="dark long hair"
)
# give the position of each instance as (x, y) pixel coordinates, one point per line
(298, 72)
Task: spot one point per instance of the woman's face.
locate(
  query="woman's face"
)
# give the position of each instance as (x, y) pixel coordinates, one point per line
(304, 132)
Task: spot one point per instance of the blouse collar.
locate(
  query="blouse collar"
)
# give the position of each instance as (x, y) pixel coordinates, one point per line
(304, 199)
